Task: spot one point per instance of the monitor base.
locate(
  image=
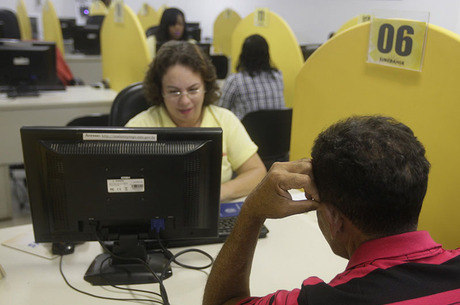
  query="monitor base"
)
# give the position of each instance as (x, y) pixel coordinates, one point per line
(103, 272)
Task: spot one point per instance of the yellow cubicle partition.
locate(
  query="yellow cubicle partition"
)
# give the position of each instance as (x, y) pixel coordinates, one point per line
(336, 82)
(24, 21)
(97, 8)
(160, 12)
(148, 17)
(124, 52)
(284, 49)
(223, 29)
(51, 26)
(352, 22)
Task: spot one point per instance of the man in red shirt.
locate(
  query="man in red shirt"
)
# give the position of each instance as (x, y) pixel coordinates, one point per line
(366, 180)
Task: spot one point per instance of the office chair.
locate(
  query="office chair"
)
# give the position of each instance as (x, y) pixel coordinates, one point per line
(129, 102)
(10, 25)
(94, 119)
(220, 62)
(151, 31)
(271, 131)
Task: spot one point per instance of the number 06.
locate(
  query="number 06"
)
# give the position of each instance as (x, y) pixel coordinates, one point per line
(388, 31)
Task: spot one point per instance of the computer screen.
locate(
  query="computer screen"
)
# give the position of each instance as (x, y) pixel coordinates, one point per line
(67, 27)
(28, 66)
(123, 185)
(86, 39)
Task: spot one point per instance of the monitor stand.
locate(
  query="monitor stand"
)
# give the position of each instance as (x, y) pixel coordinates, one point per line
(106, 270)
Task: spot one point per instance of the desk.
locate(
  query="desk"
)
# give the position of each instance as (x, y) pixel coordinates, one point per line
(50, 108)
(34, 280)
(86, 67)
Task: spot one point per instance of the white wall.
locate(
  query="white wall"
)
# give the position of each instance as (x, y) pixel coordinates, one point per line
(311, 20)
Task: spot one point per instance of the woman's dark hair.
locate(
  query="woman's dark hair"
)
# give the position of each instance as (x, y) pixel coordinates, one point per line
(180, 53)
(374, 170)
(255, 56)
(168, 19)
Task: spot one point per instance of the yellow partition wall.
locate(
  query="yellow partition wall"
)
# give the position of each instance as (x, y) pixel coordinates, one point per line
(51, 26)
(350, 23)
(148, 17)
(160, 12)
(97, 8)
(336, 82)
(284, 49)
(24, 21)
(223, 29)
(124, 52)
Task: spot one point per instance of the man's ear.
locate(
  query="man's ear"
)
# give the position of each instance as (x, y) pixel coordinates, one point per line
(335, 220)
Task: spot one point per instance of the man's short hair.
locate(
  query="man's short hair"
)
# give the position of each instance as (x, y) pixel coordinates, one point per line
(374, 170)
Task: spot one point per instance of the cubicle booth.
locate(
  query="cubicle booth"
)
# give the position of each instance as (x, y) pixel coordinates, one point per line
(337, 82)
(284, 48)
(125, 56)
(51, 26)
(148, 17)
(223, 28)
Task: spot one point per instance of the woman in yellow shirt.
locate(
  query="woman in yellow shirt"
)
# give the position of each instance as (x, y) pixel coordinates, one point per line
(181, 86)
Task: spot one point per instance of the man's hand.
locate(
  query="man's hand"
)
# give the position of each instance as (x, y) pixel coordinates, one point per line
(271, 199)
(228, 282)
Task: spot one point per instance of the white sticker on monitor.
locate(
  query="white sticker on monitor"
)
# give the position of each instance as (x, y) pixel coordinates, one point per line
(90, 136)
(125, 185)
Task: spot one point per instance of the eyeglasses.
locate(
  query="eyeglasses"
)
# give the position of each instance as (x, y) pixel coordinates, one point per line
(176, 95)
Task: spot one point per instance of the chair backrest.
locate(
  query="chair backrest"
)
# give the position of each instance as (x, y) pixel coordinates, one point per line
(129, 102)
(271, 131)
(10, 25)
(94, 119)
(152, 31)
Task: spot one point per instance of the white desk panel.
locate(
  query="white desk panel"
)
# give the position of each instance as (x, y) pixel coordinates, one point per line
(53, 108)
(293, 250)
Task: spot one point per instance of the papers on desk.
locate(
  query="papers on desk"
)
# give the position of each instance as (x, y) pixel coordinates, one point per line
(25, 242)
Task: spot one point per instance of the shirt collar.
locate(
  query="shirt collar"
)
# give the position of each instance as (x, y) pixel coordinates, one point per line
(392, 246)
(167, 122)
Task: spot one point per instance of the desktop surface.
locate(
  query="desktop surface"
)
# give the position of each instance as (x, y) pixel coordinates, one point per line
(310, 256)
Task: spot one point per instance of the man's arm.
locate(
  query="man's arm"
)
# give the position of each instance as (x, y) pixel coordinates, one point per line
(228, 281)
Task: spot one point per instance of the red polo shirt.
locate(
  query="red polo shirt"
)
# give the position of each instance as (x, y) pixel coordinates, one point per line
(403, 269)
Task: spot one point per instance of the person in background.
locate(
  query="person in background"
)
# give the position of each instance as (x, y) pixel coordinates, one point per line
(366, 180)
(172, 27)
(181, 86)
(257, 85)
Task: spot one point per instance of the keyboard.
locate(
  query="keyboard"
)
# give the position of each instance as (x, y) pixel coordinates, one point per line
(225, 226)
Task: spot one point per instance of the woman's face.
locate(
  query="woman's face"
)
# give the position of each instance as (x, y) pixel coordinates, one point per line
(176, 30)
(183, 94)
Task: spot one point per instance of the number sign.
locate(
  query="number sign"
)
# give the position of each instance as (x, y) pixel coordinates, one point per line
(397, 43)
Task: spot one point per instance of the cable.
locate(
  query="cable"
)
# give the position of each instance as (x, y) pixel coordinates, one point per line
(173, 257)
(123, 288)
(164, 295)
(98, 296)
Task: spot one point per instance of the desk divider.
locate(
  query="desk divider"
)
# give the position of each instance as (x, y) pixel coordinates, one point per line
(285, 52)
(51, 26)
(24, 21)
(124, 52)
(224, 25)
(336, 82)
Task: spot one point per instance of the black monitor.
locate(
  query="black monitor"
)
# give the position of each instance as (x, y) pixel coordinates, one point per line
(194, 30)
(67, 27)
(86, 39)
(27, 67)
(119, 184)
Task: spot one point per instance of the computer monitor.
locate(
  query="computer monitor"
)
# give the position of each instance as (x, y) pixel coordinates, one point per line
(28, 67)
(120, 184)
(67, 27)
(86, 39)
(308, 49)
(194, 30)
